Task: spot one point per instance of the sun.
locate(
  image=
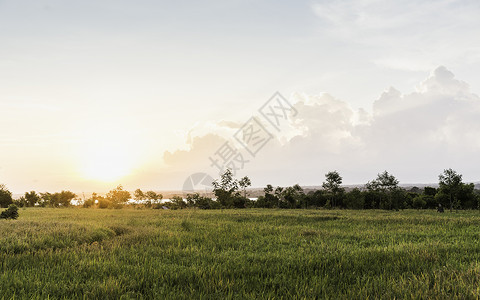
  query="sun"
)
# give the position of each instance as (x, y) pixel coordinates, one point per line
(106, 162)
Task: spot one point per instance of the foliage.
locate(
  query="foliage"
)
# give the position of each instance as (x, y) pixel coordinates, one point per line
(201, 202)
(153, 196)
(450, 182)
(96, 199)
(118, 197)
(454, 193)
(269, 200)
(62, 198)
(355, 199)
(419, 202)
(5, 196)
(384, 192)
(226, 191)
(10, 213)
(332, 185)
(177, 203)
(139, 195)
(244, 183)
(32, 198)
(291, 197)
(430, 191)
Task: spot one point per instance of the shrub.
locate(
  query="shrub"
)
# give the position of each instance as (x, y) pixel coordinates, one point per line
(10, 213)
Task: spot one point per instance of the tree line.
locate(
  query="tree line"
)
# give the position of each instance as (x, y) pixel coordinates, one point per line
(115, 198)
(382, 192)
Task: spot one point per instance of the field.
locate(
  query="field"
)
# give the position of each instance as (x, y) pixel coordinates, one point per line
(227, 254)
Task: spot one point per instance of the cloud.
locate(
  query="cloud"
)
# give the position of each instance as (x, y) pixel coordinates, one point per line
(200, 148)
(414, 135)
(406, 35)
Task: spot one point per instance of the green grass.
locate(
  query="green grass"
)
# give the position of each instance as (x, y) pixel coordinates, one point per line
(237, 254)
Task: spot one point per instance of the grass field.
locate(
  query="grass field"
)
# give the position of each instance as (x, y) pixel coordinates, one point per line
(135, 254)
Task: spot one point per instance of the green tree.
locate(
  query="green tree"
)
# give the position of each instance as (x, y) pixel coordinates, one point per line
(430, 191)
(5, 196)
(244, 183)
(450, 183)
(32, 198)
(178, 203)
(290, 197)
(333, 186)
(226, 190)
(269, 200)
(419, 202)
(384, 191)
(355, 199)
(467, 197)
(201, 202)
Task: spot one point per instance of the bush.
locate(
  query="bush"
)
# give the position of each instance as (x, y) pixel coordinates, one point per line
(10, 213)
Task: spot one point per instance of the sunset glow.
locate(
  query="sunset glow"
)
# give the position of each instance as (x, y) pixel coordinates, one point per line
(106, 164)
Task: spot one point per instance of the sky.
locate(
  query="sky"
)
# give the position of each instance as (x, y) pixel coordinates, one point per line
(99, 93)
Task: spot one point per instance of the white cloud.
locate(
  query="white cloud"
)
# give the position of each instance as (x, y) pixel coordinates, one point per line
(413, 135)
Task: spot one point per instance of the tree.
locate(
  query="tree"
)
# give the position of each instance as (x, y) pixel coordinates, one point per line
(201, 202)
(244, 183)
(20, 202)
(226, 190)
(355, 199)
(292, 196)
(269, 200)
(450, 183)
(64, 198)
(317, 198)
(32, 198)
(139, 195)
(178, 203)
(118, 196)
(5, 196)
(153, 196)
(386, 181)
(49, 199)
(419, 202)
(384, 192)
(467, 197)
(430, 191)
(333, 185)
